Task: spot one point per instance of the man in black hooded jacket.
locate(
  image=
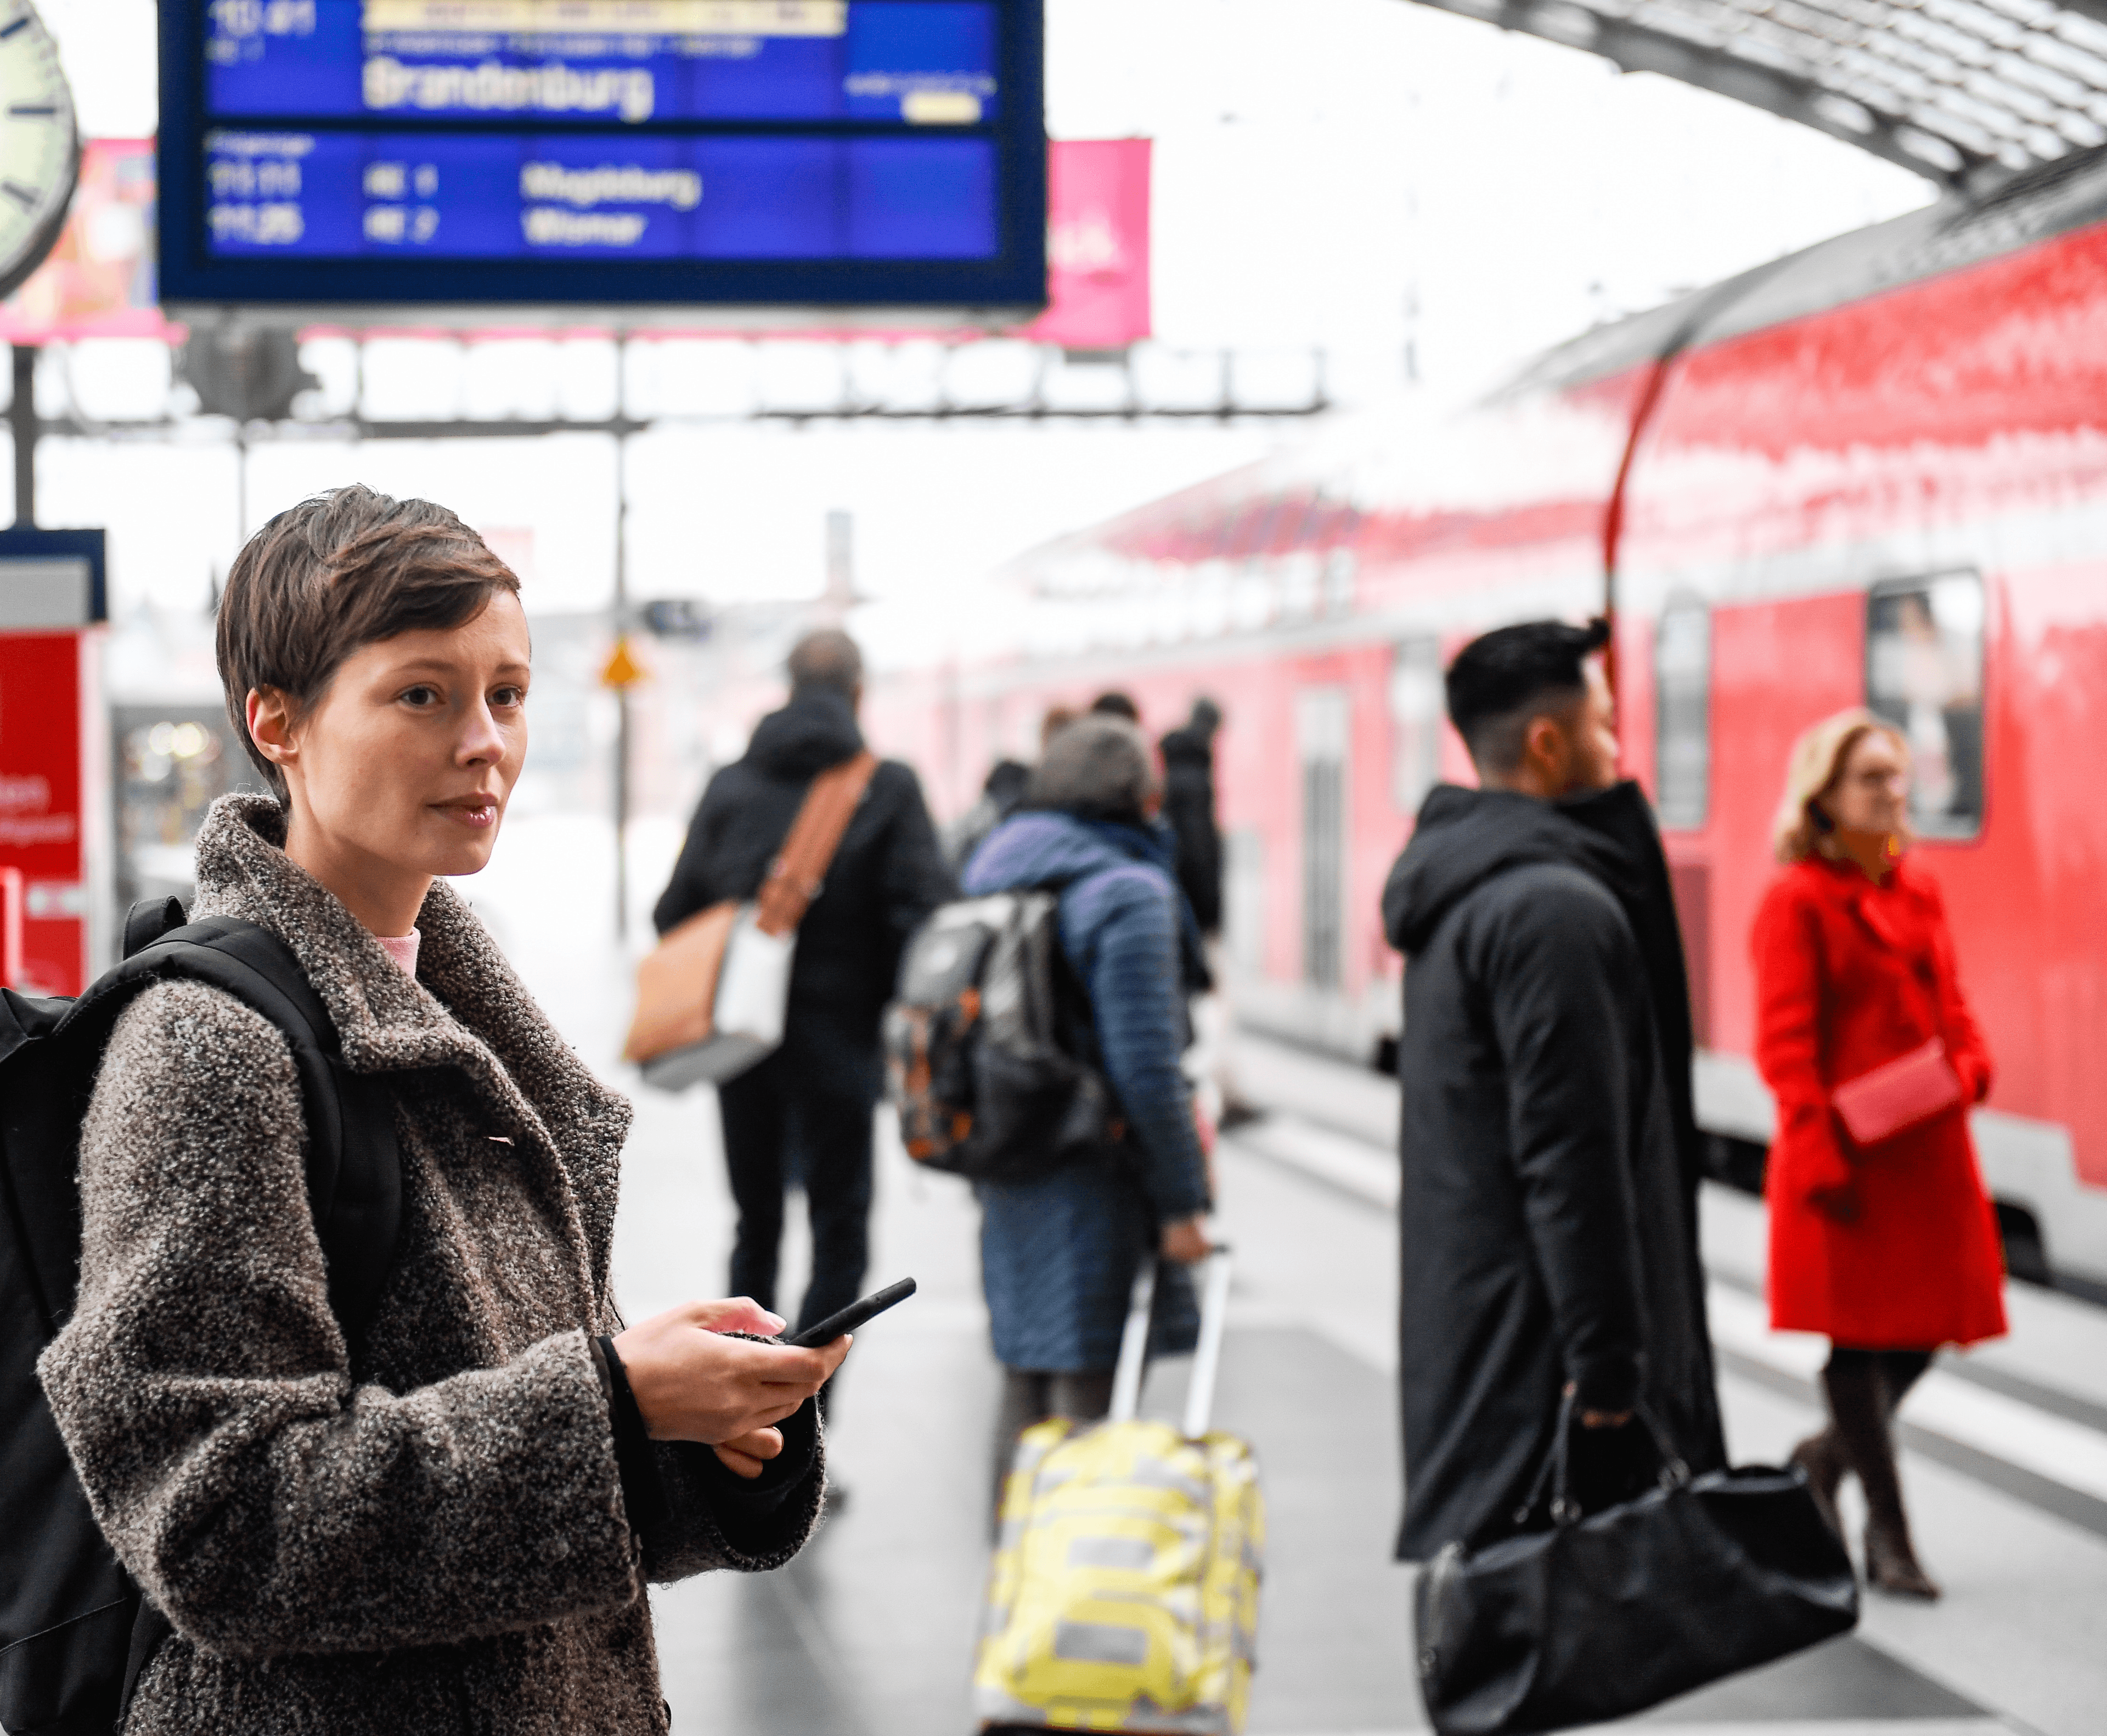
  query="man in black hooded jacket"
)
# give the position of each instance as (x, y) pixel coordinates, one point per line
(1188, 810)
(806, 1110)
(1548, 1210)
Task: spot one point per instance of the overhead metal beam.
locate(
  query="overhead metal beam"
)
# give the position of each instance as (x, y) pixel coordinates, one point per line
(1636, 47)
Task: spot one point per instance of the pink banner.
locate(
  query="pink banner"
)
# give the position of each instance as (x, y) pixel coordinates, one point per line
(1097, 245)
(99, 281)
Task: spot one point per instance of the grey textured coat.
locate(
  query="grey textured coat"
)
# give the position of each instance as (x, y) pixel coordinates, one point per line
(428, 1535)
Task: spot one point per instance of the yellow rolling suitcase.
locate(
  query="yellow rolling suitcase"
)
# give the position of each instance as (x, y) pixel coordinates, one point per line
(1124, 1595)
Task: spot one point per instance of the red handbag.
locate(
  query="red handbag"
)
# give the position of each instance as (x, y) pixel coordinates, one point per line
(1898, 1094)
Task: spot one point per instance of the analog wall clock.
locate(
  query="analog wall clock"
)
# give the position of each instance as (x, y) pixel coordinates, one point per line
(39, 143)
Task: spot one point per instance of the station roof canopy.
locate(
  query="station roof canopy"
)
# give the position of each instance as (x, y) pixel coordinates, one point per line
(1964, 92)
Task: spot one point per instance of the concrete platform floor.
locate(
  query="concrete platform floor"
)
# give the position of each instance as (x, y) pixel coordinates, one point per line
(869, 1632)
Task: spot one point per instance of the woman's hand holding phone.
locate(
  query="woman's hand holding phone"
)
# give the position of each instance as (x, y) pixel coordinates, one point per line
(693, 1382)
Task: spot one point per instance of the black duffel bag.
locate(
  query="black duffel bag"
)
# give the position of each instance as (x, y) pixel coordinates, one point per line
(1597, 1615)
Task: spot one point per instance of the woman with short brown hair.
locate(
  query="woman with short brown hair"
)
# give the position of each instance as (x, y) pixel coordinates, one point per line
(1881, 1236)
(445, 1519)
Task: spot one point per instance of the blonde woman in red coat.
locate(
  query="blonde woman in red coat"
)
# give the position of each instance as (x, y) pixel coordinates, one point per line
(1884, 1240)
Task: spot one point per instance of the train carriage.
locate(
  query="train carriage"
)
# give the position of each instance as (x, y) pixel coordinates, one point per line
(1873, 472)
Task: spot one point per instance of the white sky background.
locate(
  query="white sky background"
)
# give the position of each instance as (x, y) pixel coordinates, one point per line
(1364, 176)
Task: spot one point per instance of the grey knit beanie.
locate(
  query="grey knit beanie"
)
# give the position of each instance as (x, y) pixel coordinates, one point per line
(1096, 767)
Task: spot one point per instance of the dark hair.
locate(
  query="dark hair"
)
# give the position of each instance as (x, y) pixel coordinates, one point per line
(342, 569)
(1115, 704)
(826, 659)
(1503, 679)
(1007, 780)
(1098, 767)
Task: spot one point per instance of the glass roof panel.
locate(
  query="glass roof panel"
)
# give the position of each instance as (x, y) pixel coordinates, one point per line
(1965, 93)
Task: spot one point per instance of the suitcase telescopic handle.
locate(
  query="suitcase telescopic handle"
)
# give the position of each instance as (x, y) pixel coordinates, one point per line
(1207, 1358)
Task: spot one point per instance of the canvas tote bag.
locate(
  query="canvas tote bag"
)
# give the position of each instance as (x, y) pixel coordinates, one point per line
(711, 997)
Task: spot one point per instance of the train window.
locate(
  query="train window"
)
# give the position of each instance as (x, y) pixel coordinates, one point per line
(1323, 721)
(1243, 900)
(1415, 720)
(1924, 673)
(1683, 712)
(1340, 567)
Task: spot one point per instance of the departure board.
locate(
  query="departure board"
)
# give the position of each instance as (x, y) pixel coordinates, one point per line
(767, 152)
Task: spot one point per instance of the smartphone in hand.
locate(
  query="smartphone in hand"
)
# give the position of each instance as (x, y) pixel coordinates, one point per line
(852, 1317)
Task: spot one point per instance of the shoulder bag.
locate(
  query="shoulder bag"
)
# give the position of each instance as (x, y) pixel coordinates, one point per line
(1898, 1094)
(1604, 1614)
(712, 996)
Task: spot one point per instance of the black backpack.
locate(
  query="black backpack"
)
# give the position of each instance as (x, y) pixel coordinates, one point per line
(990, 1053)
(74, 1631)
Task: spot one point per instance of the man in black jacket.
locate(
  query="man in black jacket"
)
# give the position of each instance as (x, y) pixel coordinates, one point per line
(1548, 1215)
(1188, 810)
(805, 1110)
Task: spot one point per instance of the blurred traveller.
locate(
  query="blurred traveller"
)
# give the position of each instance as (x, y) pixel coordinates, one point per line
(1548, 1240)
(460, 1506)
(1890, 1248)
(1114, 703)
(805, 1110)
(1188, 810)
(996, 802)
(1058, 1255)
(1000, 795)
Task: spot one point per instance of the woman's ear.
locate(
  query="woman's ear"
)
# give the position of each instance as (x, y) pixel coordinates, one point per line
(269, 716)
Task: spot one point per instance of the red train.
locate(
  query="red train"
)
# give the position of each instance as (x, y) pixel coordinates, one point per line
(1874, 471)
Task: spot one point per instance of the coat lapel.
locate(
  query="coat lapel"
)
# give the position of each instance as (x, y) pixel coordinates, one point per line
(467, 1010)
(1891, 915)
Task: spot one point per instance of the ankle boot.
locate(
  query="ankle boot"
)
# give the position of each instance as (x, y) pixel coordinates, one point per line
(1891, 1563)
(1820, 1460)
(1858, 1402)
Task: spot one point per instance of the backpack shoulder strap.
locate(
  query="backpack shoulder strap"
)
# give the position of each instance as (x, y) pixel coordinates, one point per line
(354, 1168)
(800, 867)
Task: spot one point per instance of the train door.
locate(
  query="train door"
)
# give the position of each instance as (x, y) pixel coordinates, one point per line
(1415, 718)
(1322, 715)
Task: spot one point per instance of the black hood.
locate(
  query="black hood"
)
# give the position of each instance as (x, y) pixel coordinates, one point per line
(815, 730)
(1189, 746)
(1004, 787)
(1465, 837)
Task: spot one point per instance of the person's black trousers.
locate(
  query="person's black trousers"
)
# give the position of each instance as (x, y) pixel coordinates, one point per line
(796, 1116)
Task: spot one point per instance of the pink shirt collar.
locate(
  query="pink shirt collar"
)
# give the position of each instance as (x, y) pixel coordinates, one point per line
(402, 948)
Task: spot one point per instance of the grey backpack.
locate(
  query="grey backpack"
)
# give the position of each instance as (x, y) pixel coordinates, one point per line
(992, 1057)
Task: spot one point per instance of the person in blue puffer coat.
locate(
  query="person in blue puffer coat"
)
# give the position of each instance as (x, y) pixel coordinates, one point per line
(1058, 1255)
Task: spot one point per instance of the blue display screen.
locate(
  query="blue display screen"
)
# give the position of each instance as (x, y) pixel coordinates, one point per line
(594, 196)
(884, 151)
(905, 62)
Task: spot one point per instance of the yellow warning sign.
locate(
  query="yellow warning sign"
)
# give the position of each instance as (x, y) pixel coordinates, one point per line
(622, 669)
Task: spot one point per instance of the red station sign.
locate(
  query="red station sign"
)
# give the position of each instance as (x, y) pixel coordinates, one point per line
(41, 811)
(51, 597)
